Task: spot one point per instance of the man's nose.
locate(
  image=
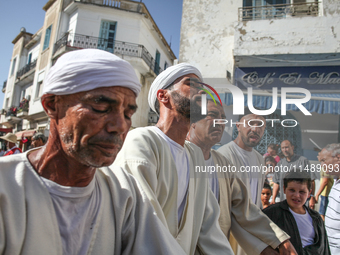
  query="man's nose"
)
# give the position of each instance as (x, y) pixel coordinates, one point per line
(117, 123)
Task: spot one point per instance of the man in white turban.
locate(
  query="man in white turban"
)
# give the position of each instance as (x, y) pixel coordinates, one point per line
(164, 163)
(60, 198)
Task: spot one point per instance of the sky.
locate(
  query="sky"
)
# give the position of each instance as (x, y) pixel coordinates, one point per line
(29, 14)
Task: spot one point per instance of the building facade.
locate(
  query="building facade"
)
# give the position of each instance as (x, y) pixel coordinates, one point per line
(122, 27)
(267, 44)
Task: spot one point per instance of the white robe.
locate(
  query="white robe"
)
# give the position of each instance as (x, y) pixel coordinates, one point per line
(147, 156)
(232, 156)
(126, 222)
(253, 230)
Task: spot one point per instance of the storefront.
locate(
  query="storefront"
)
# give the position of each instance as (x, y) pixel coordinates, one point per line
(298, 90)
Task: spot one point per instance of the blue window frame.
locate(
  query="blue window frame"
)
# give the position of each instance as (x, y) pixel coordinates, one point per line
(47, 37)
(29, 58)
(107, 36)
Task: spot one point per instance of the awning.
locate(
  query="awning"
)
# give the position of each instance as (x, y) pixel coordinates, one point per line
(319, 103)
(26, 133)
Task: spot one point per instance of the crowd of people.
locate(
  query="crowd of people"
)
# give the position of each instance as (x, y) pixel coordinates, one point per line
(94, 187)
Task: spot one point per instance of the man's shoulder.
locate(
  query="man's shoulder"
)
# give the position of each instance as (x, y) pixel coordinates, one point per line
(15, 172)
(13, 159)
(142, 132)
(145, 136)
(195, 152)
(300, 158)
(225, 148)
(219, 156)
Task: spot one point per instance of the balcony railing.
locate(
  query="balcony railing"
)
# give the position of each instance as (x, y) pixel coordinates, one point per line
(131, 6)
(26, 68)
(278, 11)
(117, 47)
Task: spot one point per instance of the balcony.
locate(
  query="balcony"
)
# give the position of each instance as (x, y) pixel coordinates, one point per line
(4, 86)
(10, 117)
(279, 11)
(23, 109)
(130, 6)
(76, 41)
(26, 73)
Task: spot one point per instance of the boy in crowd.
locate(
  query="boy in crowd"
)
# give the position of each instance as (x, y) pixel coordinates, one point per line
(266, 195)
(304, 225)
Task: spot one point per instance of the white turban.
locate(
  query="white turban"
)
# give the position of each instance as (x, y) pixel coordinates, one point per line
(168, 76)
(88, 69)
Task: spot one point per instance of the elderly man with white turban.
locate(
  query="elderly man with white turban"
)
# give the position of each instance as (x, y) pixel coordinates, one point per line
(164, 164)
(60, 198)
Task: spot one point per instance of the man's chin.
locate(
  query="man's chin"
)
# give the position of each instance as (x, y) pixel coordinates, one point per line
(107, 161)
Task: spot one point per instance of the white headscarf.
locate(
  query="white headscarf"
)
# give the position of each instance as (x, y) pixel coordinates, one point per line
(168, 76)
(88, 69)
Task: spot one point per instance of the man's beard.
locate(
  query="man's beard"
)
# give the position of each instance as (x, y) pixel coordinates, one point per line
(189, 109)
(251, 144)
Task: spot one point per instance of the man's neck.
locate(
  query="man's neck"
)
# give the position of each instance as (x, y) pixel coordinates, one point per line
(52, 163)
(240, 144)
(176, 128)
(290, 158)
(206, 148)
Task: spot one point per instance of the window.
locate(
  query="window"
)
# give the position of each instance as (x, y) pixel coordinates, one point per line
(29, 58)
(165, 65)
(157, 60)
(47, 37)
(23, 94)
(7, 103)
(264, 9)
(107, 34)
(39, 89)
(13, 65)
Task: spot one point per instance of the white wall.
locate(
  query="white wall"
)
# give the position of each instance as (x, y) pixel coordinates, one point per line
(131, 27)
(288, 36)
(207, 35)
(90, 17)
(211, 34)
(150, 39)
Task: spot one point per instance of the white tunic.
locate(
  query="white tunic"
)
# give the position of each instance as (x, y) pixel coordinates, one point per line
(147, 156)
(126, 223)
(182, 166)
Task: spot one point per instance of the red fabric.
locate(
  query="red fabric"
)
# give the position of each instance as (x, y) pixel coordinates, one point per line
(11, 152)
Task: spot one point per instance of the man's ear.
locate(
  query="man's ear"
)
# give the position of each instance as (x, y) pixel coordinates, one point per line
(163, 96)
(48, 101)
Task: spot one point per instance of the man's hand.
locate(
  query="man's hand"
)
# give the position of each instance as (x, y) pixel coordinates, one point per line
(272, 202)
(286, 248)
(269, 251)
(312, 203)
